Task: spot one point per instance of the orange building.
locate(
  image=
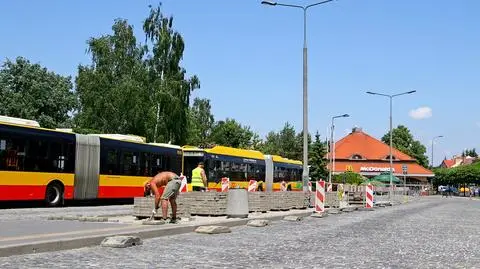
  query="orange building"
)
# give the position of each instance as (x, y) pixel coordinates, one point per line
(361, 153)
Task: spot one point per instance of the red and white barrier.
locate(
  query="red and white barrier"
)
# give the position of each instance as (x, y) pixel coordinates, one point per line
(329, 187)
(225, 184)
(183, 185)
(283, 186)
(252, 185)
(320, 197)
(369, 196)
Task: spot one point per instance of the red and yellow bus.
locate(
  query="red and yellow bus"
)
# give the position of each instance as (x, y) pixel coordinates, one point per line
(58, 165)
(241, 166)
(54, 165)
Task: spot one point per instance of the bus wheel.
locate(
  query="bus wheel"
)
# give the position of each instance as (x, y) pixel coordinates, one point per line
(54, 194)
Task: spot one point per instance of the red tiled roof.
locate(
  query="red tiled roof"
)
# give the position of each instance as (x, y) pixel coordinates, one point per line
(448, 163)
(366, 146)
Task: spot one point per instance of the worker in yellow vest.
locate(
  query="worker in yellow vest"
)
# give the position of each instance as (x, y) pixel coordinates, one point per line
(199, 179)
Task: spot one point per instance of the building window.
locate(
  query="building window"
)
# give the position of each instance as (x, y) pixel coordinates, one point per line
(356, 157)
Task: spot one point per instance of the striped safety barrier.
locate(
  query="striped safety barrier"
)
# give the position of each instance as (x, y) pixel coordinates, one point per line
(320, 197)
(183, 185)
(225, 184)
(369, 196)
(252, 185)
(283, 186)
(329, 187)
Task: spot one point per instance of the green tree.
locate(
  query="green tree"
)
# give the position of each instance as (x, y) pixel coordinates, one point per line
(32, 92)
(457, 175)
(470, 152)
(317, 159)
(233, 134)
(348, 178)
(298, 150)
(200, 123)
(403, 141)
(112, 90)
(271, 144)
(135, 88)
(170, 87)
(284, 143)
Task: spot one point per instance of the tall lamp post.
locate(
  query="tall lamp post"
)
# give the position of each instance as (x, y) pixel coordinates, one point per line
(332, 146)
(305, 79)
(433, 140)
(391, 134)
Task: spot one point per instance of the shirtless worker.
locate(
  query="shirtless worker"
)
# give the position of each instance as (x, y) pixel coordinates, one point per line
(172, 183)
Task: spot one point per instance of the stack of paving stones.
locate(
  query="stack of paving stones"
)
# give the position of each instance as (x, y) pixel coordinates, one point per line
(142, 207)
(296, 200)
(258, 202)
(278, 201)
(206, 203)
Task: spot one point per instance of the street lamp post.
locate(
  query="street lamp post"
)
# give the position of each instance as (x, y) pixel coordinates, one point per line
(391, 133)
(305, 79)
(433, 139)
(332, 147)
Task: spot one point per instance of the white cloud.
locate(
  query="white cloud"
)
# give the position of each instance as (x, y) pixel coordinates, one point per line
(421, 113)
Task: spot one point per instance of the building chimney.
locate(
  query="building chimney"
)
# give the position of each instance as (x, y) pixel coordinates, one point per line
(356, 130)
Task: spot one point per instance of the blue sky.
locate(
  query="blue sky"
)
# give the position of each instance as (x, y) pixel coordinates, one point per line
(249, 59)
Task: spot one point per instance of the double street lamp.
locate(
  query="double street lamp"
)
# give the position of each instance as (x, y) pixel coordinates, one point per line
(332, 146)
(305, 79)
(391, 133)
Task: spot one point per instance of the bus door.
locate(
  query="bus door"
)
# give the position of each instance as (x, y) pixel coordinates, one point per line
(190, 162)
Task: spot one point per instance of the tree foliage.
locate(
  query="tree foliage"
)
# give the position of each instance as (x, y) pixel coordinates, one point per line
(285, 143)
(112, 90)
(200, 123)
(30, 91)
(317, 159)
(134, 88)
(470, 152)
(348, 178)
(233, 134)
(403, 141)
(458, 175)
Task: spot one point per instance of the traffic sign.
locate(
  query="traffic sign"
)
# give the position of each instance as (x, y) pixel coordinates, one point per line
(404, 168)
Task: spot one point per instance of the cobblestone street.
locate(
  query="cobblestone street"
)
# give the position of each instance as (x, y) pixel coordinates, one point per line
(434, 232)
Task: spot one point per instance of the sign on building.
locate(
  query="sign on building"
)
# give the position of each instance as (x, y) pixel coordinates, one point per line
(375, 169)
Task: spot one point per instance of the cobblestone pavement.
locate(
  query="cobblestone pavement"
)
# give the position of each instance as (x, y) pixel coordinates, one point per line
(43, 213)
(430, 233)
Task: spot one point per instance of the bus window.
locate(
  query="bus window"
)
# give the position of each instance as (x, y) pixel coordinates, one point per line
(237, 171)
(112, 162)
(145, 164)
(214, 170)
(157, 163)
(253, 171)
(12, 154)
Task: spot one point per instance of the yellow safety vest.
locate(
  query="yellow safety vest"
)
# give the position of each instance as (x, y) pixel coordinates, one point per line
(197, 180)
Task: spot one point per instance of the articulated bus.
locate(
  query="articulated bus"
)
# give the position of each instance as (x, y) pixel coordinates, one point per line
(53, 165)
(58, 165)
(241, 166)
